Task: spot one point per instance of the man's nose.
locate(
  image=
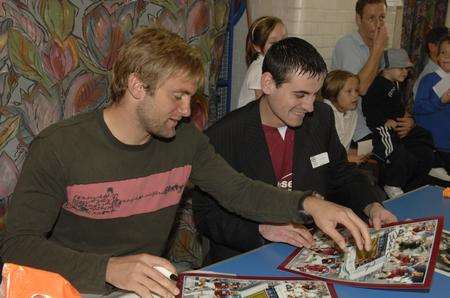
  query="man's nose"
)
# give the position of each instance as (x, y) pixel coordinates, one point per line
(185, 106)
(308, 104)
(379, 23)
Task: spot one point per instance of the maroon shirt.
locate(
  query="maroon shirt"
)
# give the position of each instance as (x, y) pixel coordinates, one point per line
(281, 153)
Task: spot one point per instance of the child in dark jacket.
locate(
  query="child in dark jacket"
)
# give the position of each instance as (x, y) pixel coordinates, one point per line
(406, 154)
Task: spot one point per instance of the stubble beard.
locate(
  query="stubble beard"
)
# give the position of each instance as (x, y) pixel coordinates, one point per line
(152, 124)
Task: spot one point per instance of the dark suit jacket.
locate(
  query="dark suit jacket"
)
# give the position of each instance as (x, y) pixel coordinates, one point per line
(240, 139)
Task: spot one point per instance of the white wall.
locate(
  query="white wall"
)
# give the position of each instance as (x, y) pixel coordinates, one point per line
(321, 22)
(447, 20)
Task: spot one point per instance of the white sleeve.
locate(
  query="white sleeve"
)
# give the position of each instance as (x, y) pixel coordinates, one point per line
(254, 75)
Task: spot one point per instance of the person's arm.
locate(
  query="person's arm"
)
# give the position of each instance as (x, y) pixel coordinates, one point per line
(223, 227)
(265, 203)
(346, 56)
(34, 209)
(370, 69)
(229, 229)
(427, 101)
(404, 125)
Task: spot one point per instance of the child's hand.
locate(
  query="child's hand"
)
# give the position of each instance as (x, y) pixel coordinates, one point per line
(353, 157)
(446, 97)
(391, 124)
(404, 126)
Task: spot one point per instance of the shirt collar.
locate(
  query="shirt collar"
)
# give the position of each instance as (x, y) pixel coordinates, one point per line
(440, 72)
(357, 37)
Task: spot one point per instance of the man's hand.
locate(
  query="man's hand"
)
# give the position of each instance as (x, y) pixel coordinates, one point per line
(378, 215)
(381, 38)
(328, 215)
(297, 235)
(353, 157)
(136, 273)
(404, 126)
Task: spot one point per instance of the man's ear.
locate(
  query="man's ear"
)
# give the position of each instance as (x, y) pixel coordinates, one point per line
(135, 86)
(358, 20)
(268, 85)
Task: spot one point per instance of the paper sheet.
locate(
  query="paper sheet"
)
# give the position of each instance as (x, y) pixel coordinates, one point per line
(442, 86)
(365, 147)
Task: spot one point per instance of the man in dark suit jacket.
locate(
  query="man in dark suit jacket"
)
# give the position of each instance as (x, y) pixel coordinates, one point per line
(286, 139)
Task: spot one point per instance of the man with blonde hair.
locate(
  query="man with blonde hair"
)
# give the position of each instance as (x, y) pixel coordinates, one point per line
(98, 193)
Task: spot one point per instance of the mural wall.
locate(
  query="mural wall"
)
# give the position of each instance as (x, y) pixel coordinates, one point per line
(55, 58)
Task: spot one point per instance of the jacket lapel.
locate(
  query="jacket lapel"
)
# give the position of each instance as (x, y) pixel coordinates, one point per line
(258, 157)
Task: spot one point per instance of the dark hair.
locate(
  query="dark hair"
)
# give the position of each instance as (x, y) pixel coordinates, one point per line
(334, 82)
(434, 36)
(257, 35)
(293, 55)
(446, 39)
(360, 4)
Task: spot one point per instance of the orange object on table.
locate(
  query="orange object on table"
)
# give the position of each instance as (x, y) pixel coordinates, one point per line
(446, 193)
(25, 282)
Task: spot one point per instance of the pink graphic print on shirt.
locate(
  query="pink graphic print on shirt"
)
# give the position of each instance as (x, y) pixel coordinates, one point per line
(128, 197)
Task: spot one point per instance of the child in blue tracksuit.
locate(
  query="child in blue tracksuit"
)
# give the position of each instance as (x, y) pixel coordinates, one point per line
(433, 112)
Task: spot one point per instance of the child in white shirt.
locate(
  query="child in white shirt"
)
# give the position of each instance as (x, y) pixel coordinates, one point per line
(340, 92)
(264, 32)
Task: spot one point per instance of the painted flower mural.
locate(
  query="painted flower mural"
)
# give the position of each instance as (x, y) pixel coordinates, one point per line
(55, 57)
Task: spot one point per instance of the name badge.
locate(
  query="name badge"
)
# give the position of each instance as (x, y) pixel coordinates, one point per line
(319, 160)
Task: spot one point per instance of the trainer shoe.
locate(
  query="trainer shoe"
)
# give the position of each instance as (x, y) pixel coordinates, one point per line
(439, 173)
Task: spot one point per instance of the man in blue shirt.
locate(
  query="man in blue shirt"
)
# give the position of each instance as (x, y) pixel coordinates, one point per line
(361, 52)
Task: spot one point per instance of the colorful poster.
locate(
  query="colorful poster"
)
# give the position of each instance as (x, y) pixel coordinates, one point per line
(194, 285)
(443, 258)
(402, 255)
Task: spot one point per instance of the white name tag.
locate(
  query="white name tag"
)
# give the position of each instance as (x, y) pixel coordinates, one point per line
(319, 160)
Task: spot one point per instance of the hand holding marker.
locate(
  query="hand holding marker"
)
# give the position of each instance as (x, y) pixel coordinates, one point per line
(166, 273)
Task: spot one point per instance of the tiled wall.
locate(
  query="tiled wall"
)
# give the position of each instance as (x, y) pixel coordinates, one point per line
(321, 22)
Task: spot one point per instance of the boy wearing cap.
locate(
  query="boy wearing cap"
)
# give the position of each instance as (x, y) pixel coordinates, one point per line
(406, 157)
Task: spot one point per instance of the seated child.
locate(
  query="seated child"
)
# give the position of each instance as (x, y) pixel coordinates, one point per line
(432, 111)
(264, 32)
(407, 157)
(340, 91)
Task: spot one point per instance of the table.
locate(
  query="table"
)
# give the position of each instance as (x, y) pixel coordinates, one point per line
(422, 202)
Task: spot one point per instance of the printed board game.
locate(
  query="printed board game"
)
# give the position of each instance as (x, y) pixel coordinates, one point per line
(195, 285)
(402, 255)
(443, 258)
